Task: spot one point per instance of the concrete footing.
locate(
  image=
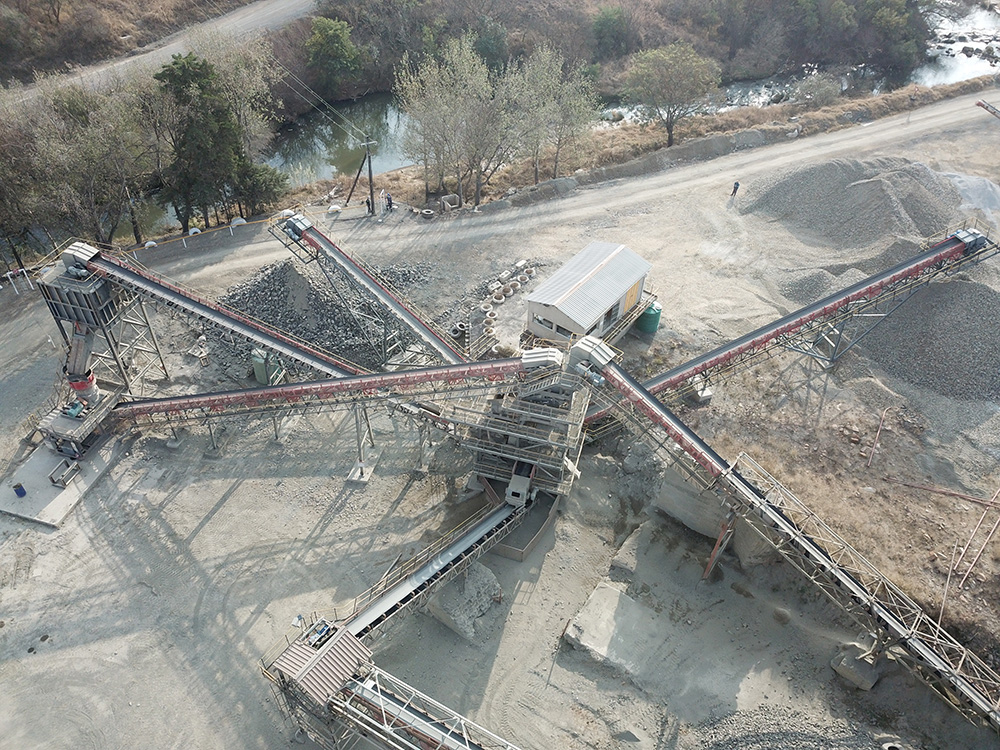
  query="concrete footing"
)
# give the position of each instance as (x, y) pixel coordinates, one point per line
(854, 666)
(45, 500)
(363, 470)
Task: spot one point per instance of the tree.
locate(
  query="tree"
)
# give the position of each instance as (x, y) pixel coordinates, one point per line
(205, 139)
(332, 54)
(554, 107)
(670, 83)
(246, 73)
(444, 98)
(614, 32)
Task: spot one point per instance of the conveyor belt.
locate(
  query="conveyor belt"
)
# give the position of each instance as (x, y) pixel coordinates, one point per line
(976, 685)
(398, 596)
(387, 707)
(390, 301)
(964, 245)
(149, 285)
(384, 382)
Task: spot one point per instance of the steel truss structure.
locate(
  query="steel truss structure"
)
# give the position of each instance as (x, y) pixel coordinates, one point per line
(499, 375)
(827, 329)
(92, 307)
(396, 334)
(899, 625)
(128, 275)
(375, 704)
(902, 628)
(408, 719)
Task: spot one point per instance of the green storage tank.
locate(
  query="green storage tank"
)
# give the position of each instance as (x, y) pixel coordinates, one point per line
(649, 321)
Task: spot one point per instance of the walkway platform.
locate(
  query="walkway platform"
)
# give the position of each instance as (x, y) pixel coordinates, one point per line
(45, 502)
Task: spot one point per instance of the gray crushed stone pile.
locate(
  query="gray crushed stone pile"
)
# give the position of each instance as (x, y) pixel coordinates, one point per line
(298, 299)
(773, 727)
(859, 203)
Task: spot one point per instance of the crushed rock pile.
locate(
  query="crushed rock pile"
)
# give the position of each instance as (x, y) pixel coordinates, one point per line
(770, 727)
(850, 203)
(299, 300)
(943, 339)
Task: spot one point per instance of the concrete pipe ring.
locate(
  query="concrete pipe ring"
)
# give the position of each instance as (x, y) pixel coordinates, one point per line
(498, 298)
(488, 331)
(507, 291)
(523, 278)
(529, 272)
(515, 285)
(462, 326)
(486, 307)
(491, 315)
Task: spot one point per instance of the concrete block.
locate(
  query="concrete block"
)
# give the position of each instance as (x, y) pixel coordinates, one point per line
(624, 563)
(860, 672)
(615, 629)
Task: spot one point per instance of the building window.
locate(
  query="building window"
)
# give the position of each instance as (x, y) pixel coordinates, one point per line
(543, 322)
(563, 331)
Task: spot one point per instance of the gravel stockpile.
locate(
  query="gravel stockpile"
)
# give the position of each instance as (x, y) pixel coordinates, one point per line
(773, 727)
(855, 204)
(943, 339)
(298, 299)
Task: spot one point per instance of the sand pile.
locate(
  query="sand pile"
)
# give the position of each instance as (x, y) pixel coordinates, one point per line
(847, 203)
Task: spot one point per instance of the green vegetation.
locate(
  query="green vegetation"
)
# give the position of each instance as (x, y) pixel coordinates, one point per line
(615, 34)
(670, 83)
(466, 122)
(495, 106)
(75, 161)
(332, 54)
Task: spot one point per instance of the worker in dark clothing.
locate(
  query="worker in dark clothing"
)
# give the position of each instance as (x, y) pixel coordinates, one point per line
(736, 187)
(368, 204)
(388, 201)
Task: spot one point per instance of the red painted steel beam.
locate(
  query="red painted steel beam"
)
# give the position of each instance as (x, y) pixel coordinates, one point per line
(364, 385)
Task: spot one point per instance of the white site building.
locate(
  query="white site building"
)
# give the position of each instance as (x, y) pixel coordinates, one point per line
(599, 292)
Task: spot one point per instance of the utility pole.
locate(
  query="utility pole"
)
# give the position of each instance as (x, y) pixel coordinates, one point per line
(371, 183)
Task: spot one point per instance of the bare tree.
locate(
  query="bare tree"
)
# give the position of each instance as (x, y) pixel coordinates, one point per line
(670, 83)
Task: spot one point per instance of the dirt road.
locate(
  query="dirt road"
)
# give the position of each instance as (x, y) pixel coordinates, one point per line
(265, 15)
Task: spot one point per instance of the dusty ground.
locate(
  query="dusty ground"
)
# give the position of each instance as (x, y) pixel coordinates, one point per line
(160, 592)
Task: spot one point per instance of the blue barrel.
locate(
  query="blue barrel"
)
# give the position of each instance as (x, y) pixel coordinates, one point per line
(19, 490)
(649, 321)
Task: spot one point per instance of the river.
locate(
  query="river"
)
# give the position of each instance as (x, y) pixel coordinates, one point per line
(323, 144)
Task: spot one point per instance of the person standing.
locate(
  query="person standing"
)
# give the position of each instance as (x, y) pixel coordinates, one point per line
(736, 187)
(368, 205)
(388, 201)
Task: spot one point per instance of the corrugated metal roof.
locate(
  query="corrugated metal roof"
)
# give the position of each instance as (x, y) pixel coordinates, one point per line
(324, 673)
(591, 281)
(293, 658)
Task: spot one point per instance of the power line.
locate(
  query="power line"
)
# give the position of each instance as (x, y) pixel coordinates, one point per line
(319, 104)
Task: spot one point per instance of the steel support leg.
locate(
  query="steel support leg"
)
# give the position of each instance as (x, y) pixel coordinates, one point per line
(725, 535)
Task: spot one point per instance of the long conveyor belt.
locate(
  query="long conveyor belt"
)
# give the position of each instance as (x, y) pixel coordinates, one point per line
(960, 248)
(941, 660)
(347, 386)
(365, 279)
(392, 599)
(151, 286)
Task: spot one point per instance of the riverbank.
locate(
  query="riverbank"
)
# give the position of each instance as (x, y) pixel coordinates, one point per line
(625, 149)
